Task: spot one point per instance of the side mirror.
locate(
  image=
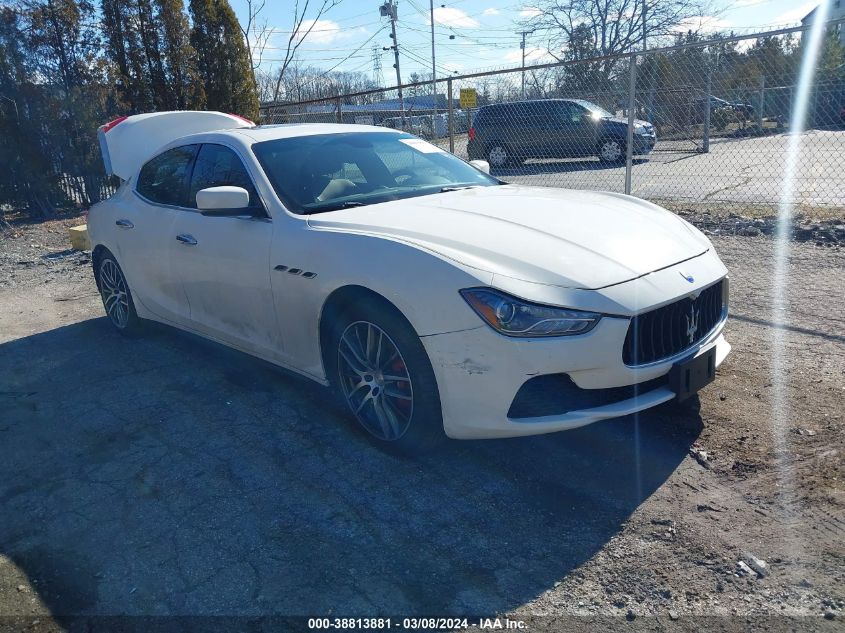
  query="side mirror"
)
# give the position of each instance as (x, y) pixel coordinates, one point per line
(224, 201)
(481, 165)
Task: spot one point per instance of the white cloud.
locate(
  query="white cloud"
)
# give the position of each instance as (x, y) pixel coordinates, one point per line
(793, 16)
(704, 23)
(490, 11)
(533, 55)
(748, 3)
(447, 16)
(530, 12)
(324, 32)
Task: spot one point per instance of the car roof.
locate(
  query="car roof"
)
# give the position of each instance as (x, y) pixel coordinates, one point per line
(508, 104)
(291, 130)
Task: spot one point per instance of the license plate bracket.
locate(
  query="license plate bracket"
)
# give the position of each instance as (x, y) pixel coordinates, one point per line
(688, 377)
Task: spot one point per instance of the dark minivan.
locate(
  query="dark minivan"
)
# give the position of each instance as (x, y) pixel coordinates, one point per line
(509, 133)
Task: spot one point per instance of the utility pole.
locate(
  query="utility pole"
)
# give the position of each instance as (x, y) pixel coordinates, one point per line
(645, 9)
(522, 46)
(389, 9)
(433, 67)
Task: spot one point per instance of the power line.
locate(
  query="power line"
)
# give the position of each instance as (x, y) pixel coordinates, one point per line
(367, 41)
(424, 62)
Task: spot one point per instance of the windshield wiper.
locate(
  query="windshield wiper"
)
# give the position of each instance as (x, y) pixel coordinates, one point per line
(456, 188)
(335, 207)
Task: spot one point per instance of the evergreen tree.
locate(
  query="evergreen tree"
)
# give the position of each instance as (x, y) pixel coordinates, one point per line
(25, 171)
(125, 49)
(68, 88)
(222, 58)
(149, 43)
(180, 64)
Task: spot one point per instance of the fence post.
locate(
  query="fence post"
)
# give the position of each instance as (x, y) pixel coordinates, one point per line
(632, 106)
(338, 111)
(762, 103)
(705, 145)
(451, 116)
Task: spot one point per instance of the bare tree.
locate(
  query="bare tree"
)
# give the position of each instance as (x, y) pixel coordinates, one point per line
(301, 29)
(257, 34)
(614, 26)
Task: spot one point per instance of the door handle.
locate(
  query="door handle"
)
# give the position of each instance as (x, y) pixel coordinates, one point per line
(186, 239)
(125, 224)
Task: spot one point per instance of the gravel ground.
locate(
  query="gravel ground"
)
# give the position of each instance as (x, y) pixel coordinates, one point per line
(168, 476)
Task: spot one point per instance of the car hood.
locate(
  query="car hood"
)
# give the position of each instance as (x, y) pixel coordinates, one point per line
(618, 120)
(569, 238)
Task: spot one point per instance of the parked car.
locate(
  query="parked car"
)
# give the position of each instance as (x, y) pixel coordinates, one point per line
(509, 133)
(743, 111)
(437, 300)
(419, 125)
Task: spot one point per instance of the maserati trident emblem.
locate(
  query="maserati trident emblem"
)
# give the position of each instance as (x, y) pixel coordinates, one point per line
(692, 323)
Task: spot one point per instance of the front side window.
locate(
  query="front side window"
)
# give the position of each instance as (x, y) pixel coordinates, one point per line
(596, 112)
(570, 113)
(164, 179)
(219, 166)
(325, 172)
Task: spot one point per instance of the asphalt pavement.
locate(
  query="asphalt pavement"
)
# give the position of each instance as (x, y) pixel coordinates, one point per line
(736, 170)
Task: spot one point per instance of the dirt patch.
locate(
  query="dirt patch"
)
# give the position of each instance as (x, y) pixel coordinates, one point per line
(141, 477)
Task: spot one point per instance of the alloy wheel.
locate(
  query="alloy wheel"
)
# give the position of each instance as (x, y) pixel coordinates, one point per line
(611, 151)
(114, 292)
(497, 156)
(375, 380)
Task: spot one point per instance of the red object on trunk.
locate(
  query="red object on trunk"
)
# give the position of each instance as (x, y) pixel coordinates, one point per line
(242, 118)
(471, 133)
(111, 124)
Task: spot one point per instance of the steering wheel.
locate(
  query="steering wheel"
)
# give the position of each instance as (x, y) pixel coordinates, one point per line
(407, 173)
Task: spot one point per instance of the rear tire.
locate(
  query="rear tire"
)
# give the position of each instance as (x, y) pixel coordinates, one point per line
(384, 377)
(499, 155)
(117, 298)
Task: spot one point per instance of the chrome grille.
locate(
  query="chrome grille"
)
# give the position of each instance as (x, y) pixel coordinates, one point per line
(673, 328)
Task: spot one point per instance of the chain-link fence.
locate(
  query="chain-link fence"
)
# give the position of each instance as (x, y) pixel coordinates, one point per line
(697, 123)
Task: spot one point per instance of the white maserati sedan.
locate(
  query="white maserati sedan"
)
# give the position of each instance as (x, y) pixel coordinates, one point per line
(437, 300)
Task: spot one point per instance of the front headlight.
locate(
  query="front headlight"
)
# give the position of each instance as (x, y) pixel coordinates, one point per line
(515, 317)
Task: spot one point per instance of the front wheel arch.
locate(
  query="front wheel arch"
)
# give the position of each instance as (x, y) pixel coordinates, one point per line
(350, 305)
(335, 304)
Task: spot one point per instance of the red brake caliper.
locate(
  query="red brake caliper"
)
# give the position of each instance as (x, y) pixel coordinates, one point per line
(399, 367)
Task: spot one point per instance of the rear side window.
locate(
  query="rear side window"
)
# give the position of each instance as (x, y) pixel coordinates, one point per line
(164, 179)
(219, 166)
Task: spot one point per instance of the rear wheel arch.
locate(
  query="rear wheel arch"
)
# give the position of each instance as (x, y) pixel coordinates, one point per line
(97, 255)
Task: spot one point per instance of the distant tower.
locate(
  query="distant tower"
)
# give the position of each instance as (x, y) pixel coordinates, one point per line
(378, 76)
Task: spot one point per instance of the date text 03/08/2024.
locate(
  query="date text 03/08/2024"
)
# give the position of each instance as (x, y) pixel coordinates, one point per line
(430, 623)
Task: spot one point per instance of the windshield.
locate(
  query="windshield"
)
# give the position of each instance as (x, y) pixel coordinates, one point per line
(593, 108)
(325, 172)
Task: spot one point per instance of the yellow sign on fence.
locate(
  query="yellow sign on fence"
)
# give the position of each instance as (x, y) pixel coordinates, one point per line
(468, 98)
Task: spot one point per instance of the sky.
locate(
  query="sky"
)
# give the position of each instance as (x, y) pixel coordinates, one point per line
(485, 33)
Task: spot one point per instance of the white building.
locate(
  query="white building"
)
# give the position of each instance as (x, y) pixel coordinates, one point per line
(836, 12)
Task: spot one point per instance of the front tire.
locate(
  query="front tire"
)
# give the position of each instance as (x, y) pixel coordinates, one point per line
(386, 380)
(117, 299)
(611, 150)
